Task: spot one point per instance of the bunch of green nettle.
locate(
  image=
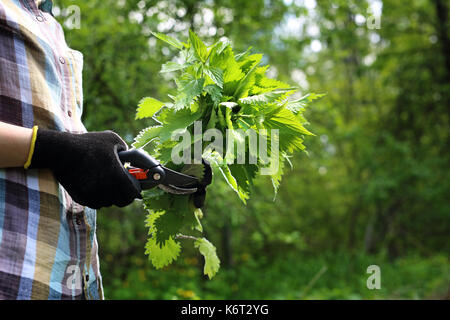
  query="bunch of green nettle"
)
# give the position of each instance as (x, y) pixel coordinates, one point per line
(230, 93)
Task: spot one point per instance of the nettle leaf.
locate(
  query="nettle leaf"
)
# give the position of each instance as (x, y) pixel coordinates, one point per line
(173, 66)
(147, 107)
(250, 61)
(162, 256)
(245, 84)
(168, 225)
(146, 135)
(276, 177)
(208, 251)
(176, 121)
(264, 84)
(188, 92)
(216, 75)
(232, 71)
(267, 97)
(188, 56)
(285, 121)
(168, 39)
(215, 93)
(291, 131)
(200, 48)
(150, 219)
(297, 105)
(218, 48)
(240, 56)
(217, 162)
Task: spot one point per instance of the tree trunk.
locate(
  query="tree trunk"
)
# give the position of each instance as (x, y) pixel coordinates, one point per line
(226, 244)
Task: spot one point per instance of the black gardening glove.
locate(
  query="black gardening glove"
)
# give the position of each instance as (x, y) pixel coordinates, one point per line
(87, 166)
(199, 196)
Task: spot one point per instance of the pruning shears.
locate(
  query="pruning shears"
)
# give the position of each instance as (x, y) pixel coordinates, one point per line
(150, 173)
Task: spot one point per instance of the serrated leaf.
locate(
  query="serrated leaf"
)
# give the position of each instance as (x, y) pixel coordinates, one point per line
(216, 75)
(168, 224)
(285, 121)
(250, 61)
(276, 177)
(214, 92)
(232, 71)
(147, 107)
(172, 66)
(176, 120)
(264, 84)
(145, 136)
(199, 47)
(290, 129)
(245, 84)
(299, 104)
(187, 55)
(162, 255)
(150, 219)
(168, 39)
(240, 56)
(216, 161)
(208, 251)
(267, 97)
(187, 94)
(218, 48)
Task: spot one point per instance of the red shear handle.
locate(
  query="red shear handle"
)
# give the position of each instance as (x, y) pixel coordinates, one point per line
(138, 173)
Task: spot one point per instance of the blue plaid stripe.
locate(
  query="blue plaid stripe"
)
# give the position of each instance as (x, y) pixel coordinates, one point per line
(28, 269)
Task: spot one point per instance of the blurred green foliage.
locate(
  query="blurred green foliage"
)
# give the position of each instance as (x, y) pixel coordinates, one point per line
(374, 186)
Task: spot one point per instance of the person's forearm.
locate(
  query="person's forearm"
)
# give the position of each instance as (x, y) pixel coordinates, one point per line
(14, 145)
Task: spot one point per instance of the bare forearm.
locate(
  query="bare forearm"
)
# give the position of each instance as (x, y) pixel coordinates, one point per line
(14, 145)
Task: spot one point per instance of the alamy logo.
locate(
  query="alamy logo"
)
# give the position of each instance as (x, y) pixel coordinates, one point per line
(374, 280)
(263, 146)
(74, 279)
(373, 21)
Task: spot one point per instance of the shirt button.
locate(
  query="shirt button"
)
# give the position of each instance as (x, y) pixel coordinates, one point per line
(69, 113)
(62, 60)
(40, 18)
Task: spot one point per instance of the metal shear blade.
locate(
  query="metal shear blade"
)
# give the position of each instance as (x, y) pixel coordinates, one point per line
(177, 183)
(177, 178)
(176, 190)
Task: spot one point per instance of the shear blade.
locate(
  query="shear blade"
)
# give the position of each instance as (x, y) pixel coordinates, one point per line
(176, 190)
(175, 178)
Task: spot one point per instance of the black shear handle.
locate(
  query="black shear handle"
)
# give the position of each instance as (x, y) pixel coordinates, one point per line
(138, 158)
(154, 174)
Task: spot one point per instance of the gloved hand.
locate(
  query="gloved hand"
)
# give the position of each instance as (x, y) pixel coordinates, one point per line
(87, 166)
(199, 196)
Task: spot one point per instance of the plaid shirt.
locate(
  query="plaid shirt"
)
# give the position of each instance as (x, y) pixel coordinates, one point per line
(48, 246)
